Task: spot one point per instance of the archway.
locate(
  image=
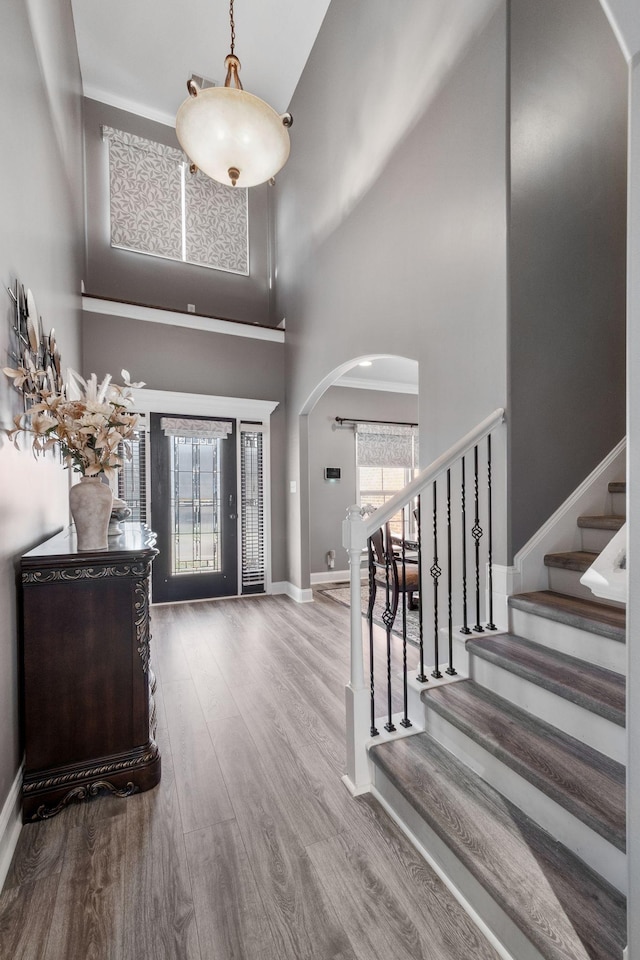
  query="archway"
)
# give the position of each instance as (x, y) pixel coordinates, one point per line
(381, 388)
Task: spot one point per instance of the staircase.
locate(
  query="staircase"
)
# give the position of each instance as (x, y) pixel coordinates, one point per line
(516, 788)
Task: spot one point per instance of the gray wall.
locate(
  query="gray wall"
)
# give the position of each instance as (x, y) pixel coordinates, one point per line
(567, 252)
(195, 361)
(391, 216)
(41, 244)
(137, 278)
(329, 447)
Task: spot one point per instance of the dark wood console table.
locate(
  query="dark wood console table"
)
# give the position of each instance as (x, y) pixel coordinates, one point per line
(89, 715)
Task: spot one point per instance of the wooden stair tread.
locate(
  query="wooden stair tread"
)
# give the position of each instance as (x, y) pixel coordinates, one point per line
(594, 688)
(589, 615)
(582, 780)
(618, 486)
(563, 907)
(604, 522)
(579, 560)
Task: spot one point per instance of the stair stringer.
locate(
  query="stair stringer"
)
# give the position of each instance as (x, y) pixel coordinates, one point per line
(560, 532)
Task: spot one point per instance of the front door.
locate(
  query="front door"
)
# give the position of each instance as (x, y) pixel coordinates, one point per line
(193, 507)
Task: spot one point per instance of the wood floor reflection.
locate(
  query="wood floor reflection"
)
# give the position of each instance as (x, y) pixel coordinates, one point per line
(250, 848)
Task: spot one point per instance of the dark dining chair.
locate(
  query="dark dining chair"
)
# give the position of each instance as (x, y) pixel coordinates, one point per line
(401, 580)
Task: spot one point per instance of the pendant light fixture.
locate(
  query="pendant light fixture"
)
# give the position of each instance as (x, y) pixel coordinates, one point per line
(229, 134)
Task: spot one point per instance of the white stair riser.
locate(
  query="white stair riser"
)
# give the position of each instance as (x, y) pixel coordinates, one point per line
(514, 945)
(597, 852)
(589, 728)
(601, 651)
(460, 654)
(619, 504)
(568, 582)
(595, 540)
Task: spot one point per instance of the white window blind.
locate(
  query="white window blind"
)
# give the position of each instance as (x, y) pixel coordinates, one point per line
(132, 475)
(158, 207)
(252, 509)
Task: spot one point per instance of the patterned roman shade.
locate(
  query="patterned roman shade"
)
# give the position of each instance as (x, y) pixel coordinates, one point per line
(187, 427)
(386, 445)
(157, 206)
(216, 228)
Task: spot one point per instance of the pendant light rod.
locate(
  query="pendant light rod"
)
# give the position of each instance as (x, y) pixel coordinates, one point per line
(231, 62)
(233, 28)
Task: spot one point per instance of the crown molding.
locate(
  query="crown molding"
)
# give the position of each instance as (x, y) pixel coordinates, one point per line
(389, 386)
(130, 106)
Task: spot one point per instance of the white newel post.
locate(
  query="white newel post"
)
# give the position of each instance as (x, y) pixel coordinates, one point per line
(357, 778)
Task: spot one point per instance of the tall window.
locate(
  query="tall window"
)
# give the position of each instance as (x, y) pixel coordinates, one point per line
(158, 207)
(387, 459)
(132, 481)
(252, 508)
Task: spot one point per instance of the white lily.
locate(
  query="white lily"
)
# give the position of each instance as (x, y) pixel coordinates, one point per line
(78, 388)
(126, 379)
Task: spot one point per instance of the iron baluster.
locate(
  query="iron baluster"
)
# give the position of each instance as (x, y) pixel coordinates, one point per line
(435, 574)
(422, 677)
(476, 533)
(373, 731)
(405, 722)
(388, 618)
(491, 625)
(465, 626)
(450, 670)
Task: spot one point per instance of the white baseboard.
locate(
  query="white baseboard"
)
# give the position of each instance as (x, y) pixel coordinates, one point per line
(10, 826)
(332, 576)
(292, 591)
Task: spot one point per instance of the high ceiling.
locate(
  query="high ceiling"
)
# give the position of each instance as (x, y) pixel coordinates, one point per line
(138, 54)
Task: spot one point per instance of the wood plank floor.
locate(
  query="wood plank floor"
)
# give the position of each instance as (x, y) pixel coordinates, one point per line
(250, 848)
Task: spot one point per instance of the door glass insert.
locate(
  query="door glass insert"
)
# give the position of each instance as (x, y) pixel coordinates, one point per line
(195, 505)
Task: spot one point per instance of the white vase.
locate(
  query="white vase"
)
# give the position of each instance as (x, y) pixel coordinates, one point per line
(90, 502)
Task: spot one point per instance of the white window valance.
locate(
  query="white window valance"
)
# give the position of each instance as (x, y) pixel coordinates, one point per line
(157, 206)
(386, 445)
(186, 427)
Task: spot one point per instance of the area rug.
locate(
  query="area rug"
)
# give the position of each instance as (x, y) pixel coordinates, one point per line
(342, 595)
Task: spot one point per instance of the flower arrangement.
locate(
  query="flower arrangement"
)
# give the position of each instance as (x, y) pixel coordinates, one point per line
(86, 420)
